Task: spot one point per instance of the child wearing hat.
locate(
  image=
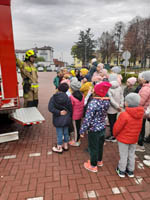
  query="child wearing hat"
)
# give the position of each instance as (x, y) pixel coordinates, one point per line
(97, 75)
(145, 102)
(61, 108)
(115, 94)
(57, 79)
(85, 85)
(94, 122)
(129, 86)
(93, 68)
(126, 130)
(77, 100)
(117, 70)
(140, 83)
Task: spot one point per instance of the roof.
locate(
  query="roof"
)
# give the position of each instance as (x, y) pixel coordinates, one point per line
(44, 48)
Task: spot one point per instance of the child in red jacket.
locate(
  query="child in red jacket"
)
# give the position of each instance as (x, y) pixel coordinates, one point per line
(126, 130)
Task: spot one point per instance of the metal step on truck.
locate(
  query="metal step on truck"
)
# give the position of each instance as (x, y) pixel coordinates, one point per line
(9, 92)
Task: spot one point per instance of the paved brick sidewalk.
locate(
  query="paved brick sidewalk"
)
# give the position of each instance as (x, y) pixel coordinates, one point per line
(30, 171)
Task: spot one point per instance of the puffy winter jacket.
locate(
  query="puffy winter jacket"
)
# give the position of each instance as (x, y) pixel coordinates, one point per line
(128, 126)
(58, 102)
(95, 115)
(77, 106)
(145, 95)
(115, 94)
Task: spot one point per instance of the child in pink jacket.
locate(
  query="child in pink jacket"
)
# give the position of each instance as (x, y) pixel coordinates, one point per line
(77, 100)
(145, 102)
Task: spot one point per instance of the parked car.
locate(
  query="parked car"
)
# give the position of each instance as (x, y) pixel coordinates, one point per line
(48, 69)
(40, 69)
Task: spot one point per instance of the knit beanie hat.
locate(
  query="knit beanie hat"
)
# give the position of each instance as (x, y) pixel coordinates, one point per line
(84, 71)
(133, 99)
(146, 75)
(73, 79)
(116, 69)
(102, 88)
(101, 65)
(131, 80)
(94, 60)
(113, 77)
(63, 87)
(75, 85)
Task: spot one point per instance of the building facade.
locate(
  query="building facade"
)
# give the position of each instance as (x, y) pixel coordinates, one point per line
(45, 52)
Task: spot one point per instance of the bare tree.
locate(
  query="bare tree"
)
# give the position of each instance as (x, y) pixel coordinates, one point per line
(144, 38)
(131, 39)
(106, 46)
(118, 32)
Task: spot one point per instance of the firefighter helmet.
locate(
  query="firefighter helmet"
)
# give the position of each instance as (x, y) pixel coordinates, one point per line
(29, 53)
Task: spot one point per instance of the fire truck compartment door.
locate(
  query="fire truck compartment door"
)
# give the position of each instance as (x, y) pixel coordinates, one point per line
(27, 116)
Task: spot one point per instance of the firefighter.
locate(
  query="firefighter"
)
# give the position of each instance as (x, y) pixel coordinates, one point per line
(30, 79)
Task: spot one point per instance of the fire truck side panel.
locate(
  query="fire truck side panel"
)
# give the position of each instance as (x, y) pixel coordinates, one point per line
(7, 53)
(5, 2)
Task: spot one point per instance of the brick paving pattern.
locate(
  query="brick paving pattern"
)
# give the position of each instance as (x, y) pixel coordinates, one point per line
(30, 171)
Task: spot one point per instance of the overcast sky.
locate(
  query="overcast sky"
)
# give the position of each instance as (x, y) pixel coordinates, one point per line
(57, 23)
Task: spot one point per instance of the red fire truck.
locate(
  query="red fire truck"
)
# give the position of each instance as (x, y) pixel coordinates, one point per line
(9, 94)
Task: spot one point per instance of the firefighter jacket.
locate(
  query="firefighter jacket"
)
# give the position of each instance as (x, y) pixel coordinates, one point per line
(28, 73)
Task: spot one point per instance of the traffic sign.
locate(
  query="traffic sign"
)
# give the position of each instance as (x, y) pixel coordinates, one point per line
(125, 63)
(126, 55)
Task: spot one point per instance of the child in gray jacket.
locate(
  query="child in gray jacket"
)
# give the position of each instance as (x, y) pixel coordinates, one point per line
(115, 94)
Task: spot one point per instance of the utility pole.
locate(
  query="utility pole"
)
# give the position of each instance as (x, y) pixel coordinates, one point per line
(85, 52)
(118, 35)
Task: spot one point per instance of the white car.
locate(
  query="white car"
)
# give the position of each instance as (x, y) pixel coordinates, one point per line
(48, 69)
(40, 69)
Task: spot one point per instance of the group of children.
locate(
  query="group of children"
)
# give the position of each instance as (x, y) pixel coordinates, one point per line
(85, 98)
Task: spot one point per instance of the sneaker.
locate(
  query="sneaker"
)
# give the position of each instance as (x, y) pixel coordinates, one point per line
(100, 163)
(130, 173)
(88, 166)
(140, 148)
(108, 137)
(75, 144)
(120, 173)
(147, 139)
(57, 149)
(147, 162)
(147, 157)
(111, 139)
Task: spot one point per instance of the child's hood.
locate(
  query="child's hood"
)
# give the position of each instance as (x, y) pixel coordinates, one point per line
(77, 95)
(136, 112)
(60, 98)
(114, 84)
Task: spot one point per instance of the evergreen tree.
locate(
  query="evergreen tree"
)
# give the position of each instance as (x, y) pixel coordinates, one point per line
(84, 48)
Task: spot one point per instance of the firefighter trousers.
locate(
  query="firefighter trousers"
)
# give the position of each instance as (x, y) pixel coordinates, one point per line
(31, 99)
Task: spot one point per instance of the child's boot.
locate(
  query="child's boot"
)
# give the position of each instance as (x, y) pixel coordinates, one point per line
(57, 149)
